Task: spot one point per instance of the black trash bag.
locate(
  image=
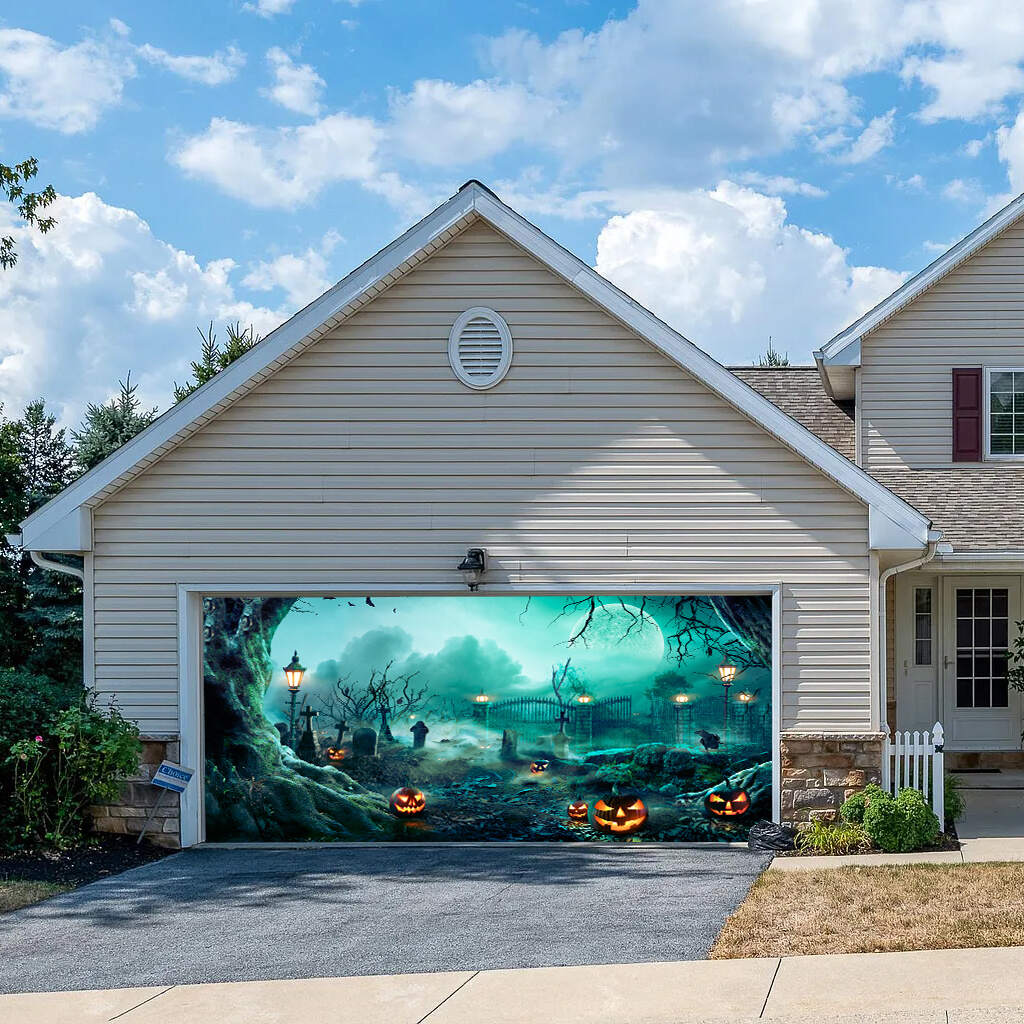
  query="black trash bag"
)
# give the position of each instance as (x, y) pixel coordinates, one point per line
(771, 837)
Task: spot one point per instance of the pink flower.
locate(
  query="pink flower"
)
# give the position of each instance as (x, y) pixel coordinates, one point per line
(39, 739)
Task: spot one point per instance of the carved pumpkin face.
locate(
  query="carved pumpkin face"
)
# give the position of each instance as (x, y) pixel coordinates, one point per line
(620, 814)
(537, 767)
(578, 810)
(727, 803)
(335, 754)
(407, 802)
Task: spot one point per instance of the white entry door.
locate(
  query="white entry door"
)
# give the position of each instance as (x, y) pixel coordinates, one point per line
(981, 711)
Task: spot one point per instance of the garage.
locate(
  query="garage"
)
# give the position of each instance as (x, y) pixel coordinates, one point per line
(479, 717)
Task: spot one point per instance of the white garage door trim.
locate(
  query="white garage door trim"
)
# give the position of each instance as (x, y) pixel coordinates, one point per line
(190, 656)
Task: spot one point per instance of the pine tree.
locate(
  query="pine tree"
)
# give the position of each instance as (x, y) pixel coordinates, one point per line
(46, 457)
(772, 357)
(213, 358)
(12, 511)
(107, 427)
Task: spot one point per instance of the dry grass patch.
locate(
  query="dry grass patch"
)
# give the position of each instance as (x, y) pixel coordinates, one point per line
(15, 894)
(877, 909)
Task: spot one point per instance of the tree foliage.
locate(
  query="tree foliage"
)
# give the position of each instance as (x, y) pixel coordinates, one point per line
(107, 427)
(14, 180)
(773, 357)
(213, 358)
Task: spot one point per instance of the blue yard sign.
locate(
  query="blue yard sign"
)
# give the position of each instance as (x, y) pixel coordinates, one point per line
(172, 776)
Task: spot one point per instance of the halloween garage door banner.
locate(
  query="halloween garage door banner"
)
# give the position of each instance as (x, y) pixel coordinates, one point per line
(611, 718)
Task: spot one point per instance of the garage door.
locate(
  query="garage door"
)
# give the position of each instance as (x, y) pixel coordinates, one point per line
(466, 718)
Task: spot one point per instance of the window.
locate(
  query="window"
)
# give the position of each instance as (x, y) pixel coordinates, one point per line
(982, 635)
(480, 348)
(1005, 413)
(923, 625)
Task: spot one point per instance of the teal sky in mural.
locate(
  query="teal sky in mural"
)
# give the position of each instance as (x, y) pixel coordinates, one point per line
(504, 645)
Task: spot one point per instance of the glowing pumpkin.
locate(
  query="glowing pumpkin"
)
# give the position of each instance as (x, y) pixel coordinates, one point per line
(537, 767)
(727, 803)
(620, 814)
(407, 802)
(578, 810)
(335, 754)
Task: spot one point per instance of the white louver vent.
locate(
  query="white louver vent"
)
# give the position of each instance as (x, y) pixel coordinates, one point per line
(480, 348)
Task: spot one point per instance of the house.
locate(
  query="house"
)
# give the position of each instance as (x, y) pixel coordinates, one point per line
(474, 400)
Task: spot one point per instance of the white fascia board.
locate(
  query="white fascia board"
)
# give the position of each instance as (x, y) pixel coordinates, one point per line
(475, 197)
(71, 533)
(277, 344)
(921, 282)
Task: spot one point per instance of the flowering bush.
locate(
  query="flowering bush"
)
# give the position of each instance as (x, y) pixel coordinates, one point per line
(58, 774)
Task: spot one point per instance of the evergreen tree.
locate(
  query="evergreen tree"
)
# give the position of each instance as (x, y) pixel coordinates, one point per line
(107, 427)
(213, 358)
(12, 511)
(51, 617)
(772, 357)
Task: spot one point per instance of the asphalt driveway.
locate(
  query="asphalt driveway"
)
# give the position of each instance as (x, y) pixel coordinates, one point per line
(250, 914)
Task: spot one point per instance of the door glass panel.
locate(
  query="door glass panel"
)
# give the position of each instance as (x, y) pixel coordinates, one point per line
(982, 628)
(922, 625)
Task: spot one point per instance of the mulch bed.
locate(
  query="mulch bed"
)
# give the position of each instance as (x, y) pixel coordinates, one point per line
(109, 855)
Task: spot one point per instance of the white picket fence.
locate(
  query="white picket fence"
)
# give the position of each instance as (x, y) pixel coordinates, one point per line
(913, 760)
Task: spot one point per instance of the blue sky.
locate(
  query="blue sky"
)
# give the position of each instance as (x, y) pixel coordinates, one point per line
(745, 168)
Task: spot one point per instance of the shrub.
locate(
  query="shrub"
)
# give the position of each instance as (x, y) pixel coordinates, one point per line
(76, 760)
(853, 808)
(901, 824)
(835, 840)
(954, 802)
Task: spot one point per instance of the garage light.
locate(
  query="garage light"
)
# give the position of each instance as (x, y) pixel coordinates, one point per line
(293, 672)
(473, 567)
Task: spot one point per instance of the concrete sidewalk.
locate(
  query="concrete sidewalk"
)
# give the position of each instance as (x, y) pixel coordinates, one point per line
(968, 986)
(983, 850)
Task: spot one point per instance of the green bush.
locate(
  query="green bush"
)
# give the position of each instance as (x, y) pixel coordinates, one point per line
(954, 803)
(835, 840)
(898, 824)
(76, 759)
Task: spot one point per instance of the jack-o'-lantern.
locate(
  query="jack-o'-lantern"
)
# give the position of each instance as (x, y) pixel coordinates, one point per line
(407, 802)
(620, 814)
(538, 767)
(578, 810)
(727, 803)
(335, 754)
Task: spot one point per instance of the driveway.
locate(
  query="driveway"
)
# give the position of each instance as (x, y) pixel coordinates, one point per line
(255, 914)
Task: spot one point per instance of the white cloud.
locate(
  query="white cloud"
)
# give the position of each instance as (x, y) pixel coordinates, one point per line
(218, 68)
(269, 8)
(446, 124)
(283, 167)
(302, 276)
(721, 265)
(64, 88)
(100, 295)
(914, 183)
(1010, 147)
(973, 147)
(876, 136)
(296, 86)
(962, 190)
(780, 185)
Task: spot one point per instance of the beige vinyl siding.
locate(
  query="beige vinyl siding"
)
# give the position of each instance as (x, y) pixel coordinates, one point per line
(596, 463)
(972, 317)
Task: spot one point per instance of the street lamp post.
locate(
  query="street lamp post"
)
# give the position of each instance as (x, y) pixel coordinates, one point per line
(293, 673)
(727, 673)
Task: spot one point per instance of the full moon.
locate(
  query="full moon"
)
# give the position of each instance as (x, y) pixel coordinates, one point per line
(623, 629)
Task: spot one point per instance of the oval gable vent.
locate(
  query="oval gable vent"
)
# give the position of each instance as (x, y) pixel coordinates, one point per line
(480, 348)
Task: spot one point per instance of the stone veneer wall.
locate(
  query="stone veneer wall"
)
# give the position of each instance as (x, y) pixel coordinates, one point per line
(126, 817)
(820, 770)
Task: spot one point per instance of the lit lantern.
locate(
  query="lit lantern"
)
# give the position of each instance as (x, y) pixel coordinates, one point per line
(538, 767)
(584, 698)
(481, 698)
(744, 697)
(293, 672)
(620, 814)
(682, 698)
(578, 810)
(407, 802)
(727, 672)
(727, 803)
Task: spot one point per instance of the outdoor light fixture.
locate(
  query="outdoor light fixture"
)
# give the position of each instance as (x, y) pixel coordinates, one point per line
(727, 672)
(682, 698)
(481, 698)
(294, 672)
(473, 567)
(584, 698)
(745, 697)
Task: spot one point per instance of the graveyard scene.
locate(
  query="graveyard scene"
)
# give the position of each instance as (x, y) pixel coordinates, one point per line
(565, 718)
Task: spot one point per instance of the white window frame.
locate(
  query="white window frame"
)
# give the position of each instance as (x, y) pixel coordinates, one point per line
(986, 405)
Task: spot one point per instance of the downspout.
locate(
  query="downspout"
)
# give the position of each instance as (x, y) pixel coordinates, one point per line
(934, 548)
(14, 539)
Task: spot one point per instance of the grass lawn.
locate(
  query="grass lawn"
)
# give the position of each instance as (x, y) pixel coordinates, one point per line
(15, 893)
(877, 909)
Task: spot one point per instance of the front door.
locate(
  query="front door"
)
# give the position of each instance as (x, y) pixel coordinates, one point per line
(981, 711)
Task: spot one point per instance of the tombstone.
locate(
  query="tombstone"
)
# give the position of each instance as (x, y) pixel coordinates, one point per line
(342, 727)
(364, 742)
(306, 748)
(419, 734)
(509, 745)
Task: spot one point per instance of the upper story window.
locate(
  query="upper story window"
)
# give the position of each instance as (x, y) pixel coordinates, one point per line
(1004, 418)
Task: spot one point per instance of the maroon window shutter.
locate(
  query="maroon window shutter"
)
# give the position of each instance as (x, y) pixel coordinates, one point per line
(967, 412)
